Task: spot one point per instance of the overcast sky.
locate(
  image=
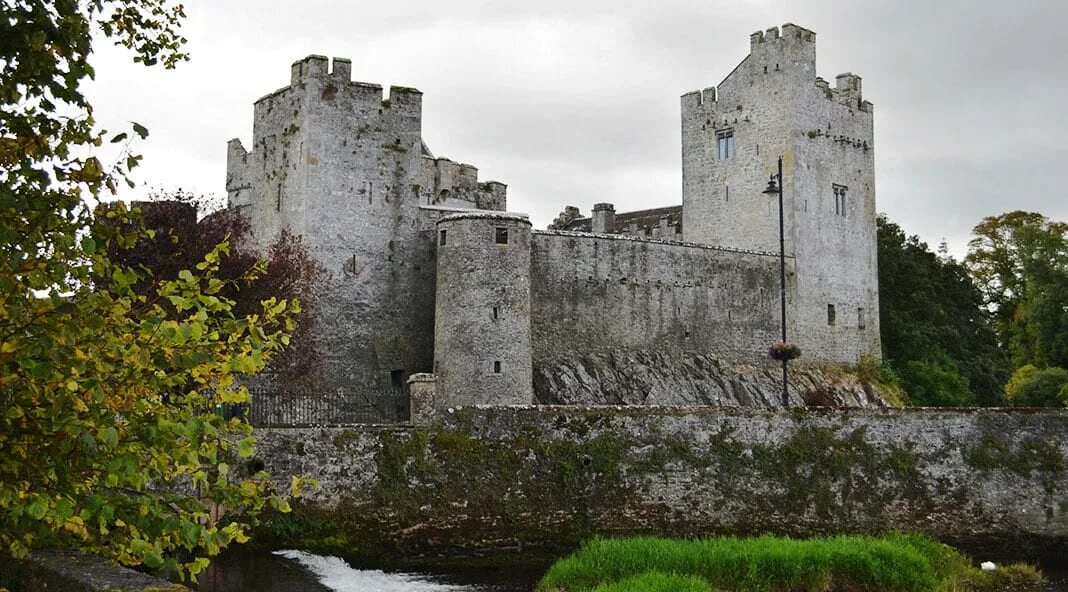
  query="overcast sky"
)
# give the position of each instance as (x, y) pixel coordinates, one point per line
(577, 102)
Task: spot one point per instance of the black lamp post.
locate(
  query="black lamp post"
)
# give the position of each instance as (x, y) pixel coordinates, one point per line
(775, 187)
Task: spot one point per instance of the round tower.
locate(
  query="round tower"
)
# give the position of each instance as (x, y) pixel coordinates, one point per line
(482, 351)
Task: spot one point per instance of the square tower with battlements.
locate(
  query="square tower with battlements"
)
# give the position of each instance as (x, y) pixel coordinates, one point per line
(344, 166)
(773, 105)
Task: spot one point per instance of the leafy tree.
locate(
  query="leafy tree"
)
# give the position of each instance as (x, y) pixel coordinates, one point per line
(107, 442)
(932, 318)
(936, 383)
(183, 233)
(1020, 261)
(1040, 388)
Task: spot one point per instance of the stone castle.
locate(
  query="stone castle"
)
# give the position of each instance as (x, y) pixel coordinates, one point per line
(427, 272)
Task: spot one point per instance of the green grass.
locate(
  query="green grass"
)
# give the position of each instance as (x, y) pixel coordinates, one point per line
(654, 581)
(895, 562)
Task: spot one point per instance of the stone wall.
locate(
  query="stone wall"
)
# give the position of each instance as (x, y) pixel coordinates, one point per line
(532, 479)
(593, 294)
(69, 571)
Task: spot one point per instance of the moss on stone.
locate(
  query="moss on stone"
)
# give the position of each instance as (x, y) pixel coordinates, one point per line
(1025, 458)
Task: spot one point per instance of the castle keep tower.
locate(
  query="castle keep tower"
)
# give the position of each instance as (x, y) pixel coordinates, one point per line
(345, 168)
(773, 105)
(482, 344)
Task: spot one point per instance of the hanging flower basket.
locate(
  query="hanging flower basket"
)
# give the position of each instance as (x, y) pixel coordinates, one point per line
(784, 351)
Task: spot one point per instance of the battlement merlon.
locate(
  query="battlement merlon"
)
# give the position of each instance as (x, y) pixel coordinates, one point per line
(697, 98)
(847, 90)
(790, 48)
(335, 76)
(789, 32)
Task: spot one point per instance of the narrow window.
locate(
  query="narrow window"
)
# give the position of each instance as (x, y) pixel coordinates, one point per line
(497, 367)
(396, 378)
(442, 237)
(830, 314)
(727, 192)
(501, 237)
(496, 312)
(278, 203)
(860, 319)
(725, 144)
(352, 263)
(839, 199)
(370, 192)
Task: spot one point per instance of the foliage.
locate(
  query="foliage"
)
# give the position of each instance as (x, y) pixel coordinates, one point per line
(1022, 375)
(1031, 387)
(873, 371)
(784, 351)
(932, 314)
(895, 562)
(107, 441)
(936, 382)
(1020, 261)
(182, 236)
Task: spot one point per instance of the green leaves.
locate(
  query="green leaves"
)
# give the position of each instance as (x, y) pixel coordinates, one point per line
(140, 130)
(246, 447)
(108, 372)
(932, 318)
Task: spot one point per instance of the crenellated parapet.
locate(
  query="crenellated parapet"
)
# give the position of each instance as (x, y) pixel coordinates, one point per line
(447, 183)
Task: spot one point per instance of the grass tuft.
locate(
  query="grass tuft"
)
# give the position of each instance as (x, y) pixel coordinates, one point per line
(891, 563)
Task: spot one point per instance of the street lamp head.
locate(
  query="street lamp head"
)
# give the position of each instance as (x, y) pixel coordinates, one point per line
(772, 188)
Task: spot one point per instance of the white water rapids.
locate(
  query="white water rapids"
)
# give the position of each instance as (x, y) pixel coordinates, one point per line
(337, 575)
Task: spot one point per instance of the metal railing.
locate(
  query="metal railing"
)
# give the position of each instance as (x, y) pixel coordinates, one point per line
(291, 408)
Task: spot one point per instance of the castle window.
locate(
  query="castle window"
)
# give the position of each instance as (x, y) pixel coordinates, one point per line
(501, 236)
(861, 323)
(830, 314)
(442, 237)
(496, 312)
(725, 144)
(727, 192)
(396, 378)
(497, 367)
(839, 199)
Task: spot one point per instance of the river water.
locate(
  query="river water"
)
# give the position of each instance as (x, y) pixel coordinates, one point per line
(299, 571)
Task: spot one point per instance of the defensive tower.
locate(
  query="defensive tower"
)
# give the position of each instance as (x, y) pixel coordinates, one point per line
(773, 105)
(345, 167)
(482, 347)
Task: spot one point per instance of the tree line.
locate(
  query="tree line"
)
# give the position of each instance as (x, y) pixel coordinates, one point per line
(990, 330)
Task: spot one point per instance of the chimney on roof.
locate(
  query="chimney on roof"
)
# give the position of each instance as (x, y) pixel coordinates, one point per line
(604, 218)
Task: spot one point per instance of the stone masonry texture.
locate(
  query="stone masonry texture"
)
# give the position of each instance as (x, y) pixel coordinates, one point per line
(346, 168)
(535, 479)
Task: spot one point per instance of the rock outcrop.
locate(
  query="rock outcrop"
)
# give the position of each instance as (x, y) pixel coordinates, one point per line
(654, 378)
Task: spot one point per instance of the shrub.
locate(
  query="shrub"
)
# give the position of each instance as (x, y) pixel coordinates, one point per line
(1038, 388)
(936, 383)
